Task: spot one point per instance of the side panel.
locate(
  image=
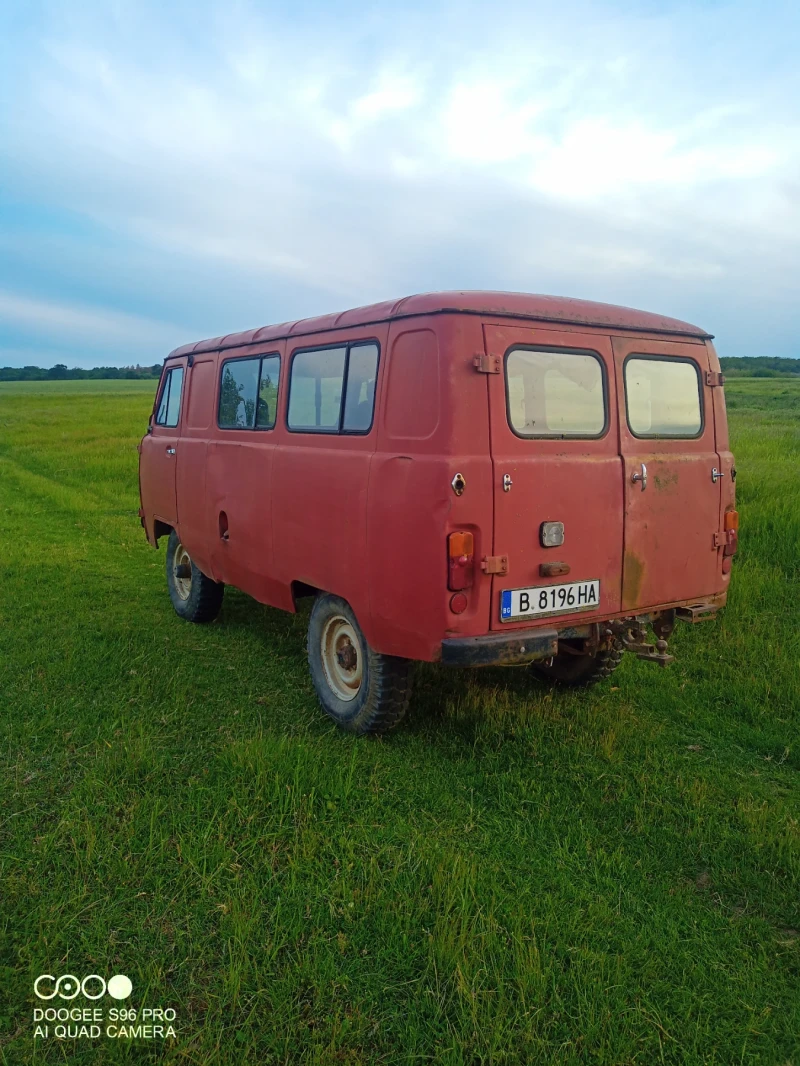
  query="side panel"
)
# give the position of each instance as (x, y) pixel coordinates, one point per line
(319, 495)
(157, 461)
(434, 424)
(669, 524)
(576, 481)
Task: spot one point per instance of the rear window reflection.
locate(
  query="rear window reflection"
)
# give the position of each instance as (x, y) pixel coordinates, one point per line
(663, 397)
(555, 394)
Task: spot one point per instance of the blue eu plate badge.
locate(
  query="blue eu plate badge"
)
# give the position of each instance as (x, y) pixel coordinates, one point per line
(505, 604)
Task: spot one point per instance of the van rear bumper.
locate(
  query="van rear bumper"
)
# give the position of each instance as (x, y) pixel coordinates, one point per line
(500, 649)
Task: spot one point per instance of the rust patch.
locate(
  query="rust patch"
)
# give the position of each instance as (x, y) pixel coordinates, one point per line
(632, 577)
(665, 482)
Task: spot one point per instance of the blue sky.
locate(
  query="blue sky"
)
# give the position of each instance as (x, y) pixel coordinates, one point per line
(170, 171)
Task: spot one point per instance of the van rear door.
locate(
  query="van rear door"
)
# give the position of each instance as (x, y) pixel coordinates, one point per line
(671, 472)
(555, 458)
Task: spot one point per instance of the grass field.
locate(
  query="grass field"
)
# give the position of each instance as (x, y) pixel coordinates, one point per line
(517, 875)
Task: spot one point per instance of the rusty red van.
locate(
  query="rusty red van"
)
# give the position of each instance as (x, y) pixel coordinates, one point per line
(473, 478)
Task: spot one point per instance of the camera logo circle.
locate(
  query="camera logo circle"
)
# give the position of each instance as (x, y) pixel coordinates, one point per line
(93, 986)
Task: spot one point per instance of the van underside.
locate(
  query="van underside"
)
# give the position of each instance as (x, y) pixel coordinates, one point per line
(541, 643)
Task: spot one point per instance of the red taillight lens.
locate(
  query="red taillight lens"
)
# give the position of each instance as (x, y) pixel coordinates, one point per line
(733, 543)
(460, 551)
(732, 532)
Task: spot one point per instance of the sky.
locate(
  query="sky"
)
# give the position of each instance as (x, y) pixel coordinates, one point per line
(176, 170)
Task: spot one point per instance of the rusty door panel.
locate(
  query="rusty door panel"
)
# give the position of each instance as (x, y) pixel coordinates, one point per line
(669, 553)
(574, 481)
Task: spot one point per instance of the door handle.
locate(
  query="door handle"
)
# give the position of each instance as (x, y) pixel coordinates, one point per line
(641, 477)
(170, 451)
(716, 474)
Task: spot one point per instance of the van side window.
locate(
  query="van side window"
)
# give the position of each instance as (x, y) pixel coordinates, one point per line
(169, 409)
(359, 402)
(662, 397)
(555, 393)
(332, 390)
(268, 391)
(248, 393)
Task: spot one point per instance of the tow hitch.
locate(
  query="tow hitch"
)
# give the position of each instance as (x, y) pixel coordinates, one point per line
(633, 634)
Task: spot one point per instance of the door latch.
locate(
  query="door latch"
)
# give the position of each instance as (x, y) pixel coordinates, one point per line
(495, 564)
(507, 482)
(170, 451)
(716, 474)
(641, 477)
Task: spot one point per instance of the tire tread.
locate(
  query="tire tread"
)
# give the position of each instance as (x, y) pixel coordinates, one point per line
(205, 600)
(389, 679)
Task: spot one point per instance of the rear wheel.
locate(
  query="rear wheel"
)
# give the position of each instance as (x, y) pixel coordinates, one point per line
(360, 689)
(571, 666)
(194, 596)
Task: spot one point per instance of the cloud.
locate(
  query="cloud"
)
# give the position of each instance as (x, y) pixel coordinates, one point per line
(259, 167)
(92, 327)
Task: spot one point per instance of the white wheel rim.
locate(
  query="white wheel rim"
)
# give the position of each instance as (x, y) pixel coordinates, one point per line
(182, 563)
(342, 658)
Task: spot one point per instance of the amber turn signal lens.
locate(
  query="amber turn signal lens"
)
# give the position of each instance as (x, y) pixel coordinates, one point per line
(460, 548)
(460, 544)
(731, 520)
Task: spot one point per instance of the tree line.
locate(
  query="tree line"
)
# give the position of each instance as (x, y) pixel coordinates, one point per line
(760, 366)
(60, 372)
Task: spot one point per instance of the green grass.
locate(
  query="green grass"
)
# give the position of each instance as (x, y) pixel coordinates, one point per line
(517, 875)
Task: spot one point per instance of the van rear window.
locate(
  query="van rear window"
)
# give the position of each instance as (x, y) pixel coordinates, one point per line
(662, 397)
(555, 393)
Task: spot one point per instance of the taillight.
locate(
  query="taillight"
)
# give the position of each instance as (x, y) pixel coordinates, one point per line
(732, 531)
(460, 551)
(732, 538)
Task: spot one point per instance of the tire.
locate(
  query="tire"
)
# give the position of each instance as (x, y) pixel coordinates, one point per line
(580, 671)
(195, 597)
(361, 690)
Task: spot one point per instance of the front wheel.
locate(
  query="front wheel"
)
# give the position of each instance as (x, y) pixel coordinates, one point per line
(194, 596)
(571, 666)
(360, 689)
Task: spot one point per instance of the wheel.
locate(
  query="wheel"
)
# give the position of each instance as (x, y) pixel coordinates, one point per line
(361, 690)
(194, 596)
(572, 667)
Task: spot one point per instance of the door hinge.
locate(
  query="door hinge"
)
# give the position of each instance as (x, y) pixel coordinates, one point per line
(495, 564)
(713, 379)
(486, 364)
(722, 540)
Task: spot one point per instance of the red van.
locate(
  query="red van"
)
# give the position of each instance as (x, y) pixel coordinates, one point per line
(473, 478)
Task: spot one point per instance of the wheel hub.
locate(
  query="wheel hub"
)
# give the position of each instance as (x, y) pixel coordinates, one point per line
(342, 658)
(182, 572)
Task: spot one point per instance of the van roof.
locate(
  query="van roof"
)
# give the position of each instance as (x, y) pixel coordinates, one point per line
(508, 304)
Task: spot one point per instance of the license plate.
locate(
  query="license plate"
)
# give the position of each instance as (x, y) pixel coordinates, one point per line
(549, 599)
